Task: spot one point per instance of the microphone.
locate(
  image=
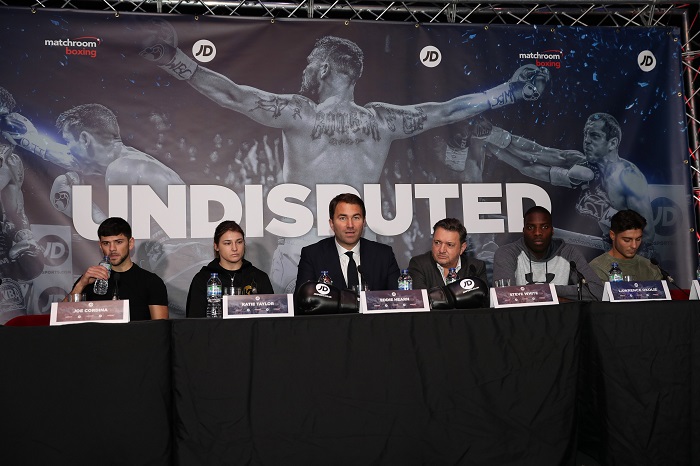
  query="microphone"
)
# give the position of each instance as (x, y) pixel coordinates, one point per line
(580, 276)
(581, 280)
(115, 296)
(666, 276)
(363, 286)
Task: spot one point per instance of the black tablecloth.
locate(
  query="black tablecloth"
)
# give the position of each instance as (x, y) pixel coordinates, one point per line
(487, 387)
(88, 394)
(442, 388)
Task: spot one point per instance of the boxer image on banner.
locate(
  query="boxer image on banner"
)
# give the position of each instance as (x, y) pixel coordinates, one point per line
(326, 135)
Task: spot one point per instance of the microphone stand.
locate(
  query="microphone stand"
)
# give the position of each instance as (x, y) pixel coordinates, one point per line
(115, 296)
(363, 286)
(666, 276)
(581, 281)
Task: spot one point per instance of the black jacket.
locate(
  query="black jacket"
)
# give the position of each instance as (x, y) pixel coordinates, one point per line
(247, 277)
(379, 268)
(425, 274)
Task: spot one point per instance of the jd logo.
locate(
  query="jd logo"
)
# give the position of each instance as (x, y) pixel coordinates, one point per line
(204, 50)
(55, 250)
(430, 56)
(646, 61)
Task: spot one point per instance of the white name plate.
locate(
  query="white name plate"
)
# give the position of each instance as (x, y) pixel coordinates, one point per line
(107, 312)
(651, 290)
(258, 305)
(377, 302)
(525, 295)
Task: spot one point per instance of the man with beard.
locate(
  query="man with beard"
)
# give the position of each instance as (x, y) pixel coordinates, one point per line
(146, 292)
(326, 135)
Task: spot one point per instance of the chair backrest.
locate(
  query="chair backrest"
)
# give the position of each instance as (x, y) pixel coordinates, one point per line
(679, 295)
(34, 320)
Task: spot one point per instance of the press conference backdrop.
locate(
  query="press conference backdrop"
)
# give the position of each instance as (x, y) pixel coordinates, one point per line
(190, 161)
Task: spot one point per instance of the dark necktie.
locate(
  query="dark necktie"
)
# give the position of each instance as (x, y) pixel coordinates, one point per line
(353, 279)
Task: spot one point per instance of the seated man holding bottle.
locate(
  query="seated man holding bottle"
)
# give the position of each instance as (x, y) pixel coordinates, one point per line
(626, 228)
(350, 260)
(146, 292)
(447, 261)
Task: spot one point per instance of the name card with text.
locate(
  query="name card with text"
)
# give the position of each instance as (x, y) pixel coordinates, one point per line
(524, 295)
(258, 305)
(106, 312)
(377, 302)
(651, 290)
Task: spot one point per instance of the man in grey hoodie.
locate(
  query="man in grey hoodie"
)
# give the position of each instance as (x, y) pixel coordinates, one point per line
(539, 258)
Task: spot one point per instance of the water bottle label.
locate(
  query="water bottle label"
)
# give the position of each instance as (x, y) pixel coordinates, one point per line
(404, 285)
(214, 290)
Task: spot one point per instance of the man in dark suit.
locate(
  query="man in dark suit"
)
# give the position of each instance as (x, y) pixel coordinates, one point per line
(347, 252)
(448, 251)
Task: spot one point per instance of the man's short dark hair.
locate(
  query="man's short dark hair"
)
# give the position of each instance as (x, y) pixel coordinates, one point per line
(95, 119)
(538, 210)
(346, 56)
(627, 220)
(452, 224)
(348, 198)
(611, 127)
(114, 226)
(6, 100)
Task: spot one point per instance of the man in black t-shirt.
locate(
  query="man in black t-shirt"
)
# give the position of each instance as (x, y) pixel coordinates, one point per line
(146, 292)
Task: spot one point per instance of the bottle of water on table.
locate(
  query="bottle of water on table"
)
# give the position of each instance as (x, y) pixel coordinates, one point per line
(325, 278)
(405, 280)
(451, 276)
(214, 298)
(100, 286)
(615, 273)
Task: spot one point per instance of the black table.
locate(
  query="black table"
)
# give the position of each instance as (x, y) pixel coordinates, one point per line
(524, 386)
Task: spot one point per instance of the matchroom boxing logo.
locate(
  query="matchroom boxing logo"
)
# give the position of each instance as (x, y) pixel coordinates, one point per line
(80, 46)
(546, 58)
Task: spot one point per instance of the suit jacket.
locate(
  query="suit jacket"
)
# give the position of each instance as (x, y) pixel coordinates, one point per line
(425, 274)
(380, 271)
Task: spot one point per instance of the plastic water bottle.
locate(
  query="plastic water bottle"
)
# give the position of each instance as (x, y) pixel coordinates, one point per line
(100, 286)
(325, 278)
(214, 307)
(405, 280)
(451, 276)
(615, 273)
